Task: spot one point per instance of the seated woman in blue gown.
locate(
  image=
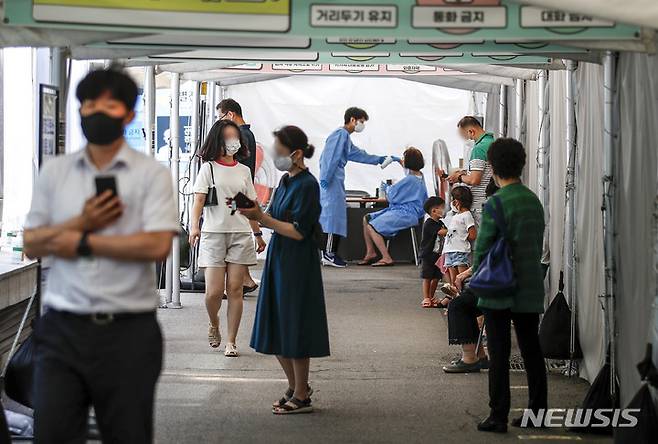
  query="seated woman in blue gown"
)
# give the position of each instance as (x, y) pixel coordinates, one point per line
(405, 208)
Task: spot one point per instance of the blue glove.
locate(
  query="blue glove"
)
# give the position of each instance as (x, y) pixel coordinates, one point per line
(396, 159)
(324, 184)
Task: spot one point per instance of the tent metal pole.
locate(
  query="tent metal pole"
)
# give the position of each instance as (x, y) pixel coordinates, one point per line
(502, 111)
(149, 109)
(543, 157)
(174, 125)
(570, 240)
(211, 103)
(194, 142)
(608, 209)
(518, 109)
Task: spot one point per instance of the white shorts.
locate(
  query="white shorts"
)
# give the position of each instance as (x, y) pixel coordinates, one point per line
(217, 249)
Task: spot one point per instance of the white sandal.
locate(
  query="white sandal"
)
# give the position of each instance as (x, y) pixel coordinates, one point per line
(231, 351)
(214, 336)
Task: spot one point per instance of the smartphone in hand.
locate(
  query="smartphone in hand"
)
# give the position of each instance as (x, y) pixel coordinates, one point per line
(104, 183)
(242, 201)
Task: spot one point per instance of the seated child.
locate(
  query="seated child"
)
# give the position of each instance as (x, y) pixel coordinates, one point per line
(461, 232)
(430, 249)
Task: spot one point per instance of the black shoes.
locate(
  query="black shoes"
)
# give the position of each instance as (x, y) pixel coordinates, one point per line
(518, 422)
(490, 425)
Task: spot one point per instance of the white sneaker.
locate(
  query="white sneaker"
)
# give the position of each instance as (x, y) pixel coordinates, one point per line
(333, 260)
(231, 351)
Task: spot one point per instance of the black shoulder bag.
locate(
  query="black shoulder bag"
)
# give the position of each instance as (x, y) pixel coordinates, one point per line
(211, 197)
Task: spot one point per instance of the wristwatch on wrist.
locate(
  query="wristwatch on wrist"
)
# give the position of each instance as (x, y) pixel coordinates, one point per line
(258, 234)
(84, 250)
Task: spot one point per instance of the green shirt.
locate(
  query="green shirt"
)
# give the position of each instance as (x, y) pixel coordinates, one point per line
(524, 217)
(478, 162)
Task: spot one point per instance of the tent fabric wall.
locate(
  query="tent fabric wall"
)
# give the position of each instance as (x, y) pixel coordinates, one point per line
(557, 175)
(588, 221)
(637, 162)
(402, 113)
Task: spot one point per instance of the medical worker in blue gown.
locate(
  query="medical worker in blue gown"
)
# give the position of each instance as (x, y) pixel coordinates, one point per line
(405, 208)
(338, 150)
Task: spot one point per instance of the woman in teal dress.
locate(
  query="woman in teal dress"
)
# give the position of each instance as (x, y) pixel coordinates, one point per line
(291, 319)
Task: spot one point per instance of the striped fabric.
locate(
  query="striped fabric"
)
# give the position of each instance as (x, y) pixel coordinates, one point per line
(478, 162)
(524, 217)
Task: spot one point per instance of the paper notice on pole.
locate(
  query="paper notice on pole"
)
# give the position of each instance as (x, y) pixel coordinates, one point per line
(236, 15)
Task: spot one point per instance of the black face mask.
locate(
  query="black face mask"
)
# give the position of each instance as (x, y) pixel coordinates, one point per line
(101, 129)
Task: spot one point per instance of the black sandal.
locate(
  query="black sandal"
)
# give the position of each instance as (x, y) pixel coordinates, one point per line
(294, 406)
(287, 396)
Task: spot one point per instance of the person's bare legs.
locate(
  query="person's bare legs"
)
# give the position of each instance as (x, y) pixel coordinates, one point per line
(286, 365)
(452, 275)
(215, 278)
(426, 289)
(434, 284)
(370, 245)
(468, 354)
(380, 243)
(234, 281)
(248, 280)
(301, 368)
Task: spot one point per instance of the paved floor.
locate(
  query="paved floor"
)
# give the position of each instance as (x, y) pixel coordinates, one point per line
(382, 384)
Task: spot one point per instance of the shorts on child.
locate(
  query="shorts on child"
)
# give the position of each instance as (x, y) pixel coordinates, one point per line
(429, 270)
(458, 259)
(216, 249)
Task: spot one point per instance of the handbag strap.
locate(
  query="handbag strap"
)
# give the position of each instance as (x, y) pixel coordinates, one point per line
(497, 213)
(212, 175)
(18, 334)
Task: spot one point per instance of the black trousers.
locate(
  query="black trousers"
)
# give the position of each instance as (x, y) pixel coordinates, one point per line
(333, 241)
(499, 344)
(113, 367)
(463, 312)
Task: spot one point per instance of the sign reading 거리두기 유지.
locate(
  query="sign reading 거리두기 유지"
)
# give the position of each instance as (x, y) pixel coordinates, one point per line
(238, 15)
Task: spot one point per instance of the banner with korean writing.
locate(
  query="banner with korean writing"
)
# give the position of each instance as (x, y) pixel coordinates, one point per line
(447, 20)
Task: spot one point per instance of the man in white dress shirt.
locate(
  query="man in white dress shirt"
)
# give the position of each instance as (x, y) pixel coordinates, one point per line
(99, 343)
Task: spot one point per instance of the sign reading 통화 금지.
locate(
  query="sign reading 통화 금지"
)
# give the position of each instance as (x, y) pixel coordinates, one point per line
(447, 20)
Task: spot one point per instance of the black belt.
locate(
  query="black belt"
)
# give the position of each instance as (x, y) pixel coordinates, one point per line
(101, 318)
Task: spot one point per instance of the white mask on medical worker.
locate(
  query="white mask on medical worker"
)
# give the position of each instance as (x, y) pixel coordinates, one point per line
(284, 163)
(360, 126)
(232, 147)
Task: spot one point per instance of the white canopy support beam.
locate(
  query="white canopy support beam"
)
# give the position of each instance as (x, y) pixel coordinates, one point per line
(519, 109)
(502, 111)
(149, 109)
(174, 128)
(570, 223)
(609, 160)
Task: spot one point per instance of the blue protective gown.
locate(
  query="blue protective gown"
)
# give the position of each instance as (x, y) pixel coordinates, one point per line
(338, 150)
(405, 207)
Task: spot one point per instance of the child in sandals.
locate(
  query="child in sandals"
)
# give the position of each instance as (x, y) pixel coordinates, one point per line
(430, 249)
(461, 233)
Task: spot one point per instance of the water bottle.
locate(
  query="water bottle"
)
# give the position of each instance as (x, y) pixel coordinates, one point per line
(382, 190)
